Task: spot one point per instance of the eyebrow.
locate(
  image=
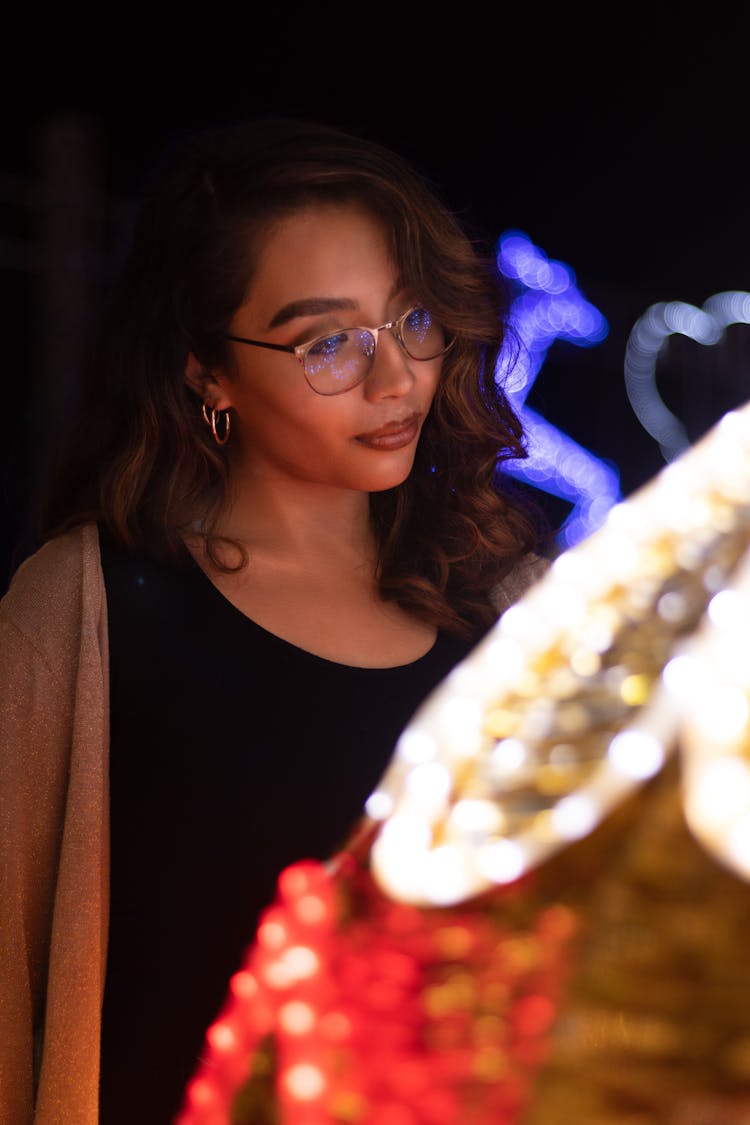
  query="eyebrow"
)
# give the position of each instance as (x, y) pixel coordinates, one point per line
(316, 306)
(310, 306)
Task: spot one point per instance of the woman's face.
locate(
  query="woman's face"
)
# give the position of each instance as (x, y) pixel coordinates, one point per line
(324, 269)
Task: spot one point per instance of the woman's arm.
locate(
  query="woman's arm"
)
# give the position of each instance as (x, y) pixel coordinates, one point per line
(53, 833)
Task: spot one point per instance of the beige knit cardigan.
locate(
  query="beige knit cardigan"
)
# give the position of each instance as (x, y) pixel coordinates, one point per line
(54, 829)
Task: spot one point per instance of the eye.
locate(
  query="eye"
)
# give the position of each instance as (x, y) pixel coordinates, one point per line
(418, 320)
(328, 347)
(423, 336)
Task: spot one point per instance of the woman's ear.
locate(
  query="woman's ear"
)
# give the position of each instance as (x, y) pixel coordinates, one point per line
(207, 387)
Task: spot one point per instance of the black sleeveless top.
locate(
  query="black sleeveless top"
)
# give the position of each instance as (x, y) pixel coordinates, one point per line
(233, 754)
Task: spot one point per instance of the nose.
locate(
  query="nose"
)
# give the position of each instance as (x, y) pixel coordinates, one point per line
(390, 375)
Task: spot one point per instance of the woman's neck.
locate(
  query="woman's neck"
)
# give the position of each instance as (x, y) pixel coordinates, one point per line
(300, 521)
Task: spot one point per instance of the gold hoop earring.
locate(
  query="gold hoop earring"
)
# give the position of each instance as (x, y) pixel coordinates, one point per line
(220, 440)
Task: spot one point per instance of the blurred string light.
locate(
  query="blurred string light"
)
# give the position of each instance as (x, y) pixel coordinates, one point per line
(549, 306)
(584, 689)
(704, 325)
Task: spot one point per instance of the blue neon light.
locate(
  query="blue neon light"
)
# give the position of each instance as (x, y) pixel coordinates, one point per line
(549, 306)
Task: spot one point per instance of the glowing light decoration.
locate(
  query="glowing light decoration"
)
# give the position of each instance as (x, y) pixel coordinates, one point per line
(580, 734)
(716, 724)
(549, 306)
(408, 1018)
(648, 337)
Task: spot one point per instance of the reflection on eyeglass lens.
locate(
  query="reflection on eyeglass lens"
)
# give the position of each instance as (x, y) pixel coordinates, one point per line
(423, 337)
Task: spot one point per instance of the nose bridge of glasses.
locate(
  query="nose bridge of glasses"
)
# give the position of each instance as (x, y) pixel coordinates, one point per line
(389, 369)
(395, 327)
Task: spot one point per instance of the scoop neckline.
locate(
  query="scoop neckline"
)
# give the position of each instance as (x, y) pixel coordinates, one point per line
(238, 614)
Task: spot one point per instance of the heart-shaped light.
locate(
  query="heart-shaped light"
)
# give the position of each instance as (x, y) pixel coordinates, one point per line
(648, 336)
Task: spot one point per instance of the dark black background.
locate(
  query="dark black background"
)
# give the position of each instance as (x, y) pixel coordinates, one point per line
(617, 141)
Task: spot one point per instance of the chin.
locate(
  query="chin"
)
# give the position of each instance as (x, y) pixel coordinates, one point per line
(389, 478)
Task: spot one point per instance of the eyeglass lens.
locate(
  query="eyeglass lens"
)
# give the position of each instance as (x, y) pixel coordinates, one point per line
(342, 360)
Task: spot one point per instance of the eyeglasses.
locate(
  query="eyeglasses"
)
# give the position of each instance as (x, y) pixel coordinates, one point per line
(338, 362)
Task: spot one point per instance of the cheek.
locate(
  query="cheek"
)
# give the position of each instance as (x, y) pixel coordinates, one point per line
(292, 421)
(430, 383)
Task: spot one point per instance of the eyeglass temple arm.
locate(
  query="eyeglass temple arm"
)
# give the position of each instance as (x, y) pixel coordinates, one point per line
(262, 344)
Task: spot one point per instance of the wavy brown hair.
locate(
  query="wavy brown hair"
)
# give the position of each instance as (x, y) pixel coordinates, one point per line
(140, 457)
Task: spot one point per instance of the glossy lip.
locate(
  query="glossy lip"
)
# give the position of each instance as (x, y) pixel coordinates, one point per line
(394, 435)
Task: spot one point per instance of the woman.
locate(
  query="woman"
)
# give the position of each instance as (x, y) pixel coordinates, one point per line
(278, 526)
